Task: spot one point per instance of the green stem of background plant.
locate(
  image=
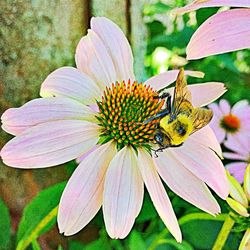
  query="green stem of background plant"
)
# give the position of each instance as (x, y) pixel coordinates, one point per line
(224, 233)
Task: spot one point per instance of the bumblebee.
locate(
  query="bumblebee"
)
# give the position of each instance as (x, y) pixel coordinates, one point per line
(179, 119)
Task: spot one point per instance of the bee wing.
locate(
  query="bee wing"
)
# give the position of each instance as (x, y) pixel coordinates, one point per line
(181, 94)
(201, 117)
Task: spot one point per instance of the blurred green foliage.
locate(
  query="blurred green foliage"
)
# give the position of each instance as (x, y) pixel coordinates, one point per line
(5, 233)
(39, 216)
(167, 41)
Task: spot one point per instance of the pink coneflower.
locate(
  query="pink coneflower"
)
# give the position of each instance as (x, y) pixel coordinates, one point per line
(223, 32)
(241, 156)
(231, 123)
(63, 126)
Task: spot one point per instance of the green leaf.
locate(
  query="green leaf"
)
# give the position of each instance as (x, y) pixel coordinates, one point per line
(136, 241)
(183, 221)
(203, 14)
(171, 244)
(95, 245)
(75, 245)
(39, 215)
(156, 8)
(176, 41)
(35, 245)
(148, 211)
(201, 230)
(60, 247)
(4, 226)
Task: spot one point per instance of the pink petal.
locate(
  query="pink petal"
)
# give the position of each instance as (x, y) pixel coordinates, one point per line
(237, 169)
(93, 59)
(49, 144)
(158, 194)
(164, 79)
(198, 4)
(17, 120)
(207, 138)
(123, 194)
(215, 122)
(234, 156)
(82, 197)
(242, 110)
(184, 183)
(203, 93)
(240, 107)
(83, 157)
(70, 82)
(117, 45)
(216, 110)
(240, 146)
(223, 32)
(205, 164)
(220, 133)
(224, 107)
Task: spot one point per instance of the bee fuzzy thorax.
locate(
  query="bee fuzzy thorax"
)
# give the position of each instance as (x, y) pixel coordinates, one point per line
(177, 129)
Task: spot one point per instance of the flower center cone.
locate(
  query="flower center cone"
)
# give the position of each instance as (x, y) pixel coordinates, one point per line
(123, 109)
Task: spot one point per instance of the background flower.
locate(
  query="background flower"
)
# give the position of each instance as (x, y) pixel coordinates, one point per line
(233, 123)
(240, 155)
(223, 32)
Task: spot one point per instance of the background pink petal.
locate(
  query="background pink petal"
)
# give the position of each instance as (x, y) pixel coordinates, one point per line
(198, 4)
(240, 107)
(223, 32)
(184, 183)
(239, 145)
(17, 120)
(164, 79)
(237, 169)
(234, 156)
(70, 82)
(216, 110)
(203, 93)
(219, 132)
(225, 107)
(82, 197)
(93, 59)
(216, 121)
(205, 164)
(158, 194)
(49, 144)
(117, 45)
(123, 194)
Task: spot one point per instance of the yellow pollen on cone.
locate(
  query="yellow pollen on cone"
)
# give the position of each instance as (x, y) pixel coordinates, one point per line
(122, 110)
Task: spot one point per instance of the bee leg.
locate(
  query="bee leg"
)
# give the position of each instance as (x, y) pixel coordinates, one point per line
(160, 114)
(162, 96)
(158, 150)
(168, 104)
(176, 146)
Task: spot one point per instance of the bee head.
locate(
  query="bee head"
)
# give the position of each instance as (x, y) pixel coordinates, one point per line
(181, 129)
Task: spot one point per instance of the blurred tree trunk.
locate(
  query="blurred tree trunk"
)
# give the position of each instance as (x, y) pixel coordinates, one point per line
(37, 37)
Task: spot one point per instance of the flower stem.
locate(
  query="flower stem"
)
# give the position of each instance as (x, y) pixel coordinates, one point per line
(224, 233)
